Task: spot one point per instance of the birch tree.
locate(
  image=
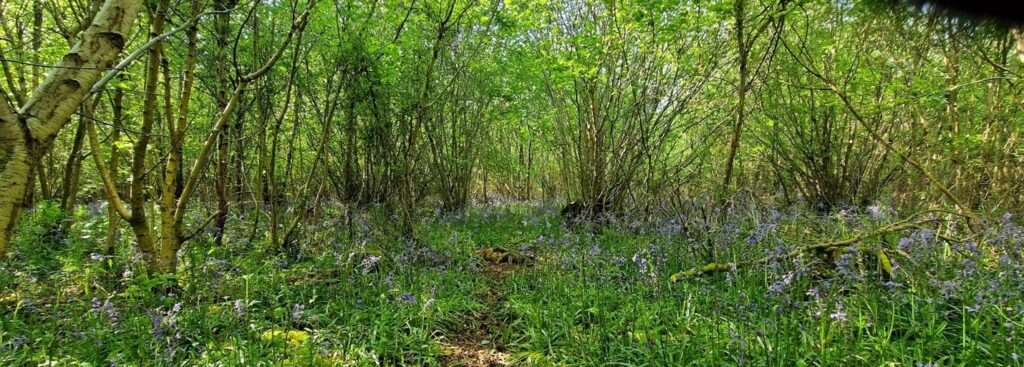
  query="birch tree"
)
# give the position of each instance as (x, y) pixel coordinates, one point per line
(28, 131)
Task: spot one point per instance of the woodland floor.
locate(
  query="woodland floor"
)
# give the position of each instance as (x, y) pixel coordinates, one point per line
(513, 285)
(478, 347)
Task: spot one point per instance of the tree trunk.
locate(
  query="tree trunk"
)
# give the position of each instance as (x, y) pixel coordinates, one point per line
(351, 169)
(73, 168)
(139, 219)
(115, 155)
(72, 171)
(26, 135)
(16, 160)
(221, 187)
(37, 40)
(223, 27)
(737, 130)
(172, 186)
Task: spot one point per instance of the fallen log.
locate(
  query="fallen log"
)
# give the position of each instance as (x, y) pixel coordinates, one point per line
(909, 223)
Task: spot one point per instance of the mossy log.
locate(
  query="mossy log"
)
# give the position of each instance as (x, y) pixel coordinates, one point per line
(498, 255)
(886, 265)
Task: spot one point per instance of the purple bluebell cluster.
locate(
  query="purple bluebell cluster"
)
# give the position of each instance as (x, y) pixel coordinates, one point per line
(407, 297)
(105, 307)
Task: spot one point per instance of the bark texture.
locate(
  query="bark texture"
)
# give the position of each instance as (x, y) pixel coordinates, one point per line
(27, 133)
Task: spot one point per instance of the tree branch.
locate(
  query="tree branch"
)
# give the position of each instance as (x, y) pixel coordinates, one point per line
(7, 114)
(135, 55)
(108, 182)
(298, 27)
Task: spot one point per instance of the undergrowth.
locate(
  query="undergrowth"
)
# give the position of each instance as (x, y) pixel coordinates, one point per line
(590, 294)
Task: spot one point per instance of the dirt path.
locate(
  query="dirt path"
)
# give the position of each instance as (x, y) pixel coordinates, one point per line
(479, 347)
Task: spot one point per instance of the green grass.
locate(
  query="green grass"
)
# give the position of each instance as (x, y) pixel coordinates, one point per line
(590, 296)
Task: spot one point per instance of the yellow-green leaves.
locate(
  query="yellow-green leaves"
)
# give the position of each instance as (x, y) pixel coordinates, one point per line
(885, 264)
(293, 338)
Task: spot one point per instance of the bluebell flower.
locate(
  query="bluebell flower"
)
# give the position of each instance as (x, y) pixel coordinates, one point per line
(106, 307)
(839, 315)
(779, 286)
(407, 298)
(968, 267)
(14, 344)
(163, 323)
(891, 285)
(927, 235)
(157, 321)
(905, 244)
(297, 311)
(948, 288)
(875, 212)
(239, 307)
(430, 301)
(639, 261)
(844, 262)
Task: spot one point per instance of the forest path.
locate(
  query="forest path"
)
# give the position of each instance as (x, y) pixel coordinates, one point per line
(480, 345)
